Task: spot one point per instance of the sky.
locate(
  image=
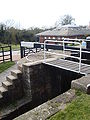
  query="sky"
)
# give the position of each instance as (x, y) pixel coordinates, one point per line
(43, 13)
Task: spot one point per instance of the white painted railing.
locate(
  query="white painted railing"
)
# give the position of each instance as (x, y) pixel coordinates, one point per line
(27, 44)
(63, 42)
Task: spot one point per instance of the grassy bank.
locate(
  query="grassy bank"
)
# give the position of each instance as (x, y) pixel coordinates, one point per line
(79, 109)
(5, 65)
(14, 47)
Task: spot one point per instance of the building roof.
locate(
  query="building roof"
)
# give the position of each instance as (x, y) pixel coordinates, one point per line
(67, 30)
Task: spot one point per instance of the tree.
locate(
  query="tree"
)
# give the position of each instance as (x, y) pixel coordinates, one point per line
(65, 20)
(13, 35)
(2, 32)
(9, 23)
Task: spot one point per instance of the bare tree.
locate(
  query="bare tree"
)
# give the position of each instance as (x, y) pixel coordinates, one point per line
(9, 23)
(65, 20)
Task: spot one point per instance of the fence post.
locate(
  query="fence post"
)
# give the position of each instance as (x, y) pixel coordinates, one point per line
(10, 53)
(3, 53)
(24, 54)
(22, 49)
(36, 50)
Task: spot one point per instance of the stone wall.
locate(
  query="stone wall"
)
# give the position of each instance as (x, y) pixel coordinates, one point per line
(49, 108)
(42, 82)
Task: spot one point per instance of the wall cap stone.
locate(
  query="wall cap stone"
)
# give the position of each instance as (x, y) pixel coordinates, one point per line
(49, 108)
(81, 83)
(37, 62)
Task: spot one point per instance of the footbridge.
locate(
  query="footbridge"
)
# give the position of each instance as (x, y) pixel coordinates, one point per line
(72, 61)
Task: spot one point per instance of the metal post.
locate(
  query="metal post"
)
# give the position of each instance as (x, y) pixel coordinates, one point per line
(80, 58)
(44, 51)
(63, 48)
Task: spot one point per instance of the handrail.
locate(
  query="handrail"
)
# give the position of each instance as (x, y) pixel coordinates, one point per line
(70, 39)
(64, 42)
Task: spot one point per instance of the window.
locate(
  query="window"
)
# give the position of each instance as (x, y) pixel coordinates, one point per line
(53, 37)
(45, 37)
(58, 38)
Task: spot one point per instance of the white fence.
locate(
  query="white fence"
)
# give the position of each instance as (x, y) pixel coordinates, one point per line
(27, 44)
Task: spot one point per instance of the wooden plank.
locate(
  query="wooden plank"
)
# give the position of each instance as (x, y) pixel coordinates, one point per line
(69, 65)
(85, 67)
(55, 61)
(74, 67)
(85, 70)
(62, 62)
(66, 63)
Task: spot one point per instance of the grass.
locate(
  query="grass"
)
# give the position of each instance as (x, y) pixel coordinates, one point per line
(14, 47)
(5, 65)
(79, 109)
(73, 45)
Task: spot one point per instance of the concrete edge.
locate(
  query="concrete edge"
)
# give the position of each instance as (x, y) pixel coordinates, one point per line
(37, 62)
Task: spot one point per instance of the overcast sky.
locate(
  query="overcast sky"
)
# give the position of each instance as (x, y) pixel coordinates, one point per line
(41, 13)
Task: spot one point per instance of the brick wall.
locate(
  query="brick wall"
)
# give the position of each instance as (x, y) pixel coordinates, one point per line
(42, 38)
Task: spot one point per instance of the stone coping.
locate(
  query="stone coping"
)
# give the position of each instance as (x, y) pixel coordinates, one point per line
(81, 84)
(12, 107)
(37, 62)
(49, 108)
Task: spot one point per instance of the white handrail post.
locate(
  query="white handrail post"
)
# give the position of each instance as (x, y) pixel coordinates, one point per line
(80, 58)
(63, 48)
(44, 51)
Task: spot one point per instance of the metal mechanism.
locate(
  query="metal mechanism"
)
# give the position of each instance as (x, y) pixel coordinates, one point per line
(67, 64)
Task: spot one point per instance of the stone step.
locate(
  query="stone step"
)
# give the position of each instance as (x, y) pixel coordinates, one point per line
(7, 85)
(16, 73)
(3, 91)
(20, 67)
(11, 78)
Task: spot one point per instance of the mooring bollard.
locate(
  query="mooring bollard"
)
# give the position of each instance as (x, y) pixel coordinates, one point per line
(88, 89)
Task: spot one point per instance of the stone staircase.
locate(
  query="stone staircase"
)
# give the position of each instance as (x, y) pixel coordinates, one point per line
(12, 88)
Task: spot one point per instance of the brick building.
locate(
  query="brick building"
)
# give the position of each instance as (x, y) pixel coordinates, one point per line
(67, 31)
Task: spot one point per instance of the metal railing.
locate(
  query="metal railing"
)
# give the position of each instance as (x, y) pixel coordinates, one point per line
(63, 42)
